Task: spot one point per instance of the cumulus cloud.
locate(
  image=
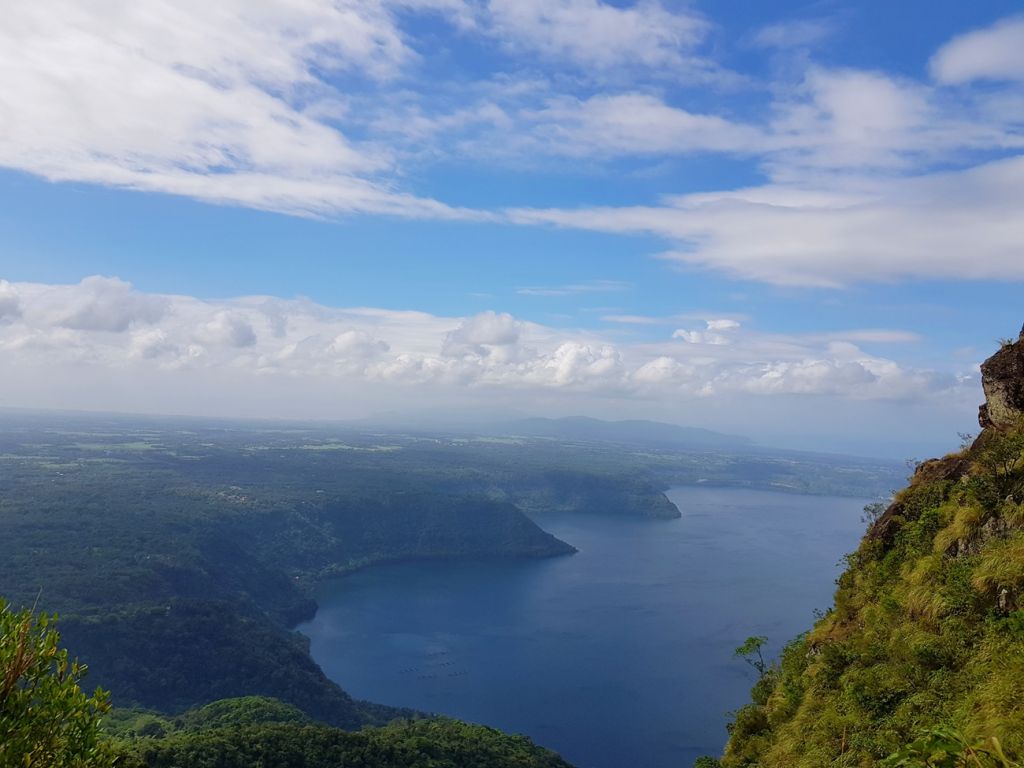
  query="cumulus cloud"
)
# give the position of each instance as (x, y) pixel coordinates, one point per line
(717, 332)
(357, 345)
(227, 328)
(103, 304)
(368, 347)
(151, 344)
(10, 304)
(483, 331)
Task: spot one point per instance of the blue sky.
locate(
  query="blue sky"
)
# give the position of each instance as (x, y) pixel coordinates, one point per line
(794, 220)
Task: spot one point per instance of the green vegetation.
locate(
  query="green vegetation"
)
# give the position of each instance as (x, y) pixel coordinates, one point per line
(750, 652)
(947, 748)
(436, 743)
(920, 662)
(45, 718)
(245, 710)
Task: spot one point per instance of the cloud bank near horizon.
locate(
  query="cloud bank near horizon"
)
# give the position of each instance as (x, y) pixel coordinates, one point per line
(103, 323)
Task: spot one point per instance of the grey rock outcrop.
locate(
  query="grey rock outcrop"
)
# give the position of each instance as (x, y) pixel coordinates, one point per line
(1002, 379)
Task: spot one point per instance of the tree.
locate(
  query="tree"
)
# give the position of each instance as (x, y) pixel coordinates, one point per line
(872, 513)
(750, 652)
(706, 762)
(46, 720)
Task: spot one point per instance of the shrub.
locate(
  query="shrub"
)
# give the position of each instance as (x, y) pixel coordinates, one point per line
(46, 720)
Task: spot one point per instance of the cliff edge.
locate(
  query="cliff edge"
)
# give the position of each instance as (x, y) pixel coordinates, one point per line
(922, 652)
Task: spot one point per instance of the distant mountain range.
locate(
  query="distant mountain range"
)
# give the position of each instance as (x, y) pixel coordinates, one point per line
(635, 432)
(631, 432)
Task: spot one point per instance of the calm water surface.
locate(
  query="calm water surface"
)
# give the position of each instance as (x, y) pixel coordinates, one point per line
(617, 657)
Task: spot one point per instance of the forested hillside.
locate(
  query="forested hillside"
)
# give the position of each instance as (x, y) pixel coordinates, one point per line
(920, 662)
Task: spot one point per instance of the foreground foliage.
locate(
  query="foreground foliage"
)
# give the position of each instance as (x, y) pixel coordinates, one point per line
(947, 748)
(46, 720)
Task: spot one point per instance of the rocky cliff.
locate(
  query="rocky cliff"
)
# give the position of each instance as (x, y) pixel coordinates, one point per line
(1002, 378)
(923, 648)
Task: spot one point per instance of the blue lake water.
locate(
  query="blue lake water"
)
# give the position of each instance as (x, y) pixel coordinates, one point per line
(618, 656)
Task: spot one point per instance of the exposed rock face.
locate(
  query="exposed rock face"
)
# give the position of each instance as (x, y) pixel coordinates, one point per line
(1002, 378)
(949, 468)
(993, 528)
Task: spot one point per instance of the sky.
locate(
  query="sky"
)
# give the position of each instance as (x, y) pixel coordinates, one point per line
(798, 221)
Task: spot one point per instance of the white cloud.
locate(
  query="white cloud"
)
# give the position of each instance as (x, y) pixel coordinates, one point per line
(788, 35)
(874, 336)
(240, 103)
(602, 36)
(955, 225)
(103, 304)
(717, 332)
(854, 120)
(659, 371)
(591, 286)
(634, 124)
(10, 304)
(992, 53)
(151, 344)
(632, 319)
(488, 329)
(200, 99)
(228, 328)
(723, 324)
(357, 345)
(368, 347)
(331, 362)
(578, 363)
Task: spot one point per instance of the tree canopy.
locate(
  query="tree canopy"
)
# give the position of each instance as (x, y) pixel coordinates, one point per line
(46, 719)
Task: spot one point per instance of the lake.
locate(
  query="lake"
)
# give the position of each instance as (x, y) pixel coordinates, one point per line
(620, 655)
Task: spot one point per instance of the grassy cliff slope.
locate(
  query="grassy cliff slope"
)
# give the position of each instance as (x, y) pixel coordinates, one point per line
(926, 635)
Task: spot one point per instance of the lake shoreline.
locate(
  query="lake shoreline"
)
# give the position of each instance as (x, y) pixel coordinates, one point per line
(639, 612)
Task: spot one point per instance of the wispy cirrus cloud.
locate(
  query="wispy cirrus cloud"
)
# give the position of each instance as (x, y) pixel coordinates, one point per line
(572, 289)
(603, 37)
(940, 226)
(252, 104)
(216, 101)
(794, 34)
